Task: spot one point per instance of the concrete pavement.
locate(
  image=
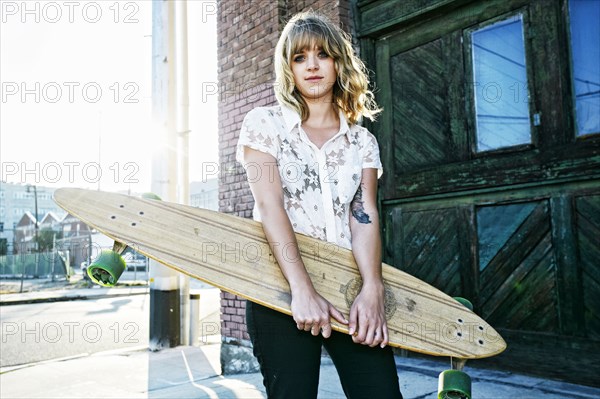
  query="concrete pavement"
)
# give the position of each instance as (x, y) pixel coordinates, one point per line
(194, 372)
(186, 372)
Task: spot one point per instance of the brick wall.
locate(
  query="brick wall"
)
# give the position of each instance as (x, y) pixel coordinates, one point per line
(247, 32)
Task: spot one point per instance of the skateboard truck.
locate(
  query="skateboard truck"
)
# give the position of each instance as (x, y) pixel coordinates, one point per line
(455, 383)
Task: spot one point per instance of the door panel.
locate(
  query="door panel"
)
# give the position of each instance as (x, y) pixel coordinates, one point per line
(518, 288)
(418, 84)
(588, 236)
(426, 244)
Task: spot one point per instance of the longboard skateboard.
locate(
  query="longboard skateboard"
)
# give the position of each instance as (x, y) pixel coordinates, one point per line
(233, 254)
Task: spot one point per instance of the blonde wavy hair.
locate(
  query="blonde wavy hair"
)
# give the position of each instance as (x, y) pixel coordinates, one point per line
(351, 92)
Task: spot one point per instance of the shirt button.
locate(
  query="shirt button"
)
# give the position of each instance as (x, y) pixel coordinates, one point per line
(316, 207)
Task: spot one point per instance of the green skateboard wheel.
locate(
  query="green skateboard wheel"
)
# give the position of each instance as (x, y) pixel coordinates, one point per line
(151, 196)
(465, 302)
(106, 269)
(454, 384)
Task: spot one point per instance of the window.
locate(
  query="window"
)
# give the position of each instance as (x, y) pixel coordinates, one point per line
(585, 54)
(501, 94)
(496, 225)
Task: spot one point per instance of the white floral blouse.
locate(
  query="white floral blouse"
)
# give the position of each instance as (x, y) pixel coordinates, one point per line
(318, 184)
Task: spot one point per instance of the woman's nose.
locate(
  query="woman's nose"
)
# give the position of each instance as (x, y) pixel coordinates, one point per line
(313, 62)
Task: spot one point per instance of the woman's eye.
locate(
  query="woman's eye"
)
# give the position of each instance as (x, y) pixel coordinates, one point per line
(299, 58)
(323, 54)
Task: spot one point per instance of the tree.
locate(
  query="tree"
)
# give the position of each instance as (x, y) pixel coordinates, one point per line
(3, 246)
(45, 238)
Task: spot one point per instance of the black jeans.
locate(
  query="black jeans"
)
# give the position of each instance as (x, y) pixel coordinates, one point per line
(290, 359)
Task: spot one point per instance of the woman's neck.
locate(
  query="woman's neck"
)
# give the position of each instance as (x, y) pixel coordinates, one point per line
(323, 122)
(322, 113)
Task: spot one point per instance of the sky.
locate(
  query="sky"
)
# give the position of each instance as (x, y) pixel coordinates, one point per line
(75, 98)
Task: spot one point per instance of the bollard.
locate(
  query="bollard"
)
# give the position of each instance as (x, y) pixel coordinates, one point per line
(194, 319)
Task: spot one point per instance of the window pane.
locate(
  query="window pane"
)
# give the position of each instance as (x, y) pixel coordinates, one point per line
(585, 48)
(500, 85)
(496, 225)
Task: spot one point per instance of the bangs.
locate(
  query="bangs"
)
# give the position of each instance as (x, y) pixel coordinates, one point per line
(309, 34)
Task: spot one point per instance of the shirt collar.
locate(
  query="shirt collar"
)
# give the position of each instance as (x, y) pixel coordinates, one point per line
(292, 120)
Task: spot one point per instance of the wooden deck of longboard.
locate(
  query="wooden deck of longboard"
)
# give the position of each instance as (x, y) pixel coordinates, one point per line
(232, 253)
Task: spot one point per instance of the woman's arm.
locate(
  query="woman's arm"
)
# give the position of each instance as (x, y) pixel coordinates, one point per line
(367, 315)
(309, 309)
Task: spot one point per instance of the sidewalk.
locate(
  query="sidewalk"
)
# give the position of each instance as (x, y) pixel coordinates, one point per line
(194, 372)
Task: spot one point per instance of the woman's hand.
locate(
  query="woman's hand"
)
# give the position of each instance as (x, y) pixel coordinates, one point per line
(368, 325)
(313, 313)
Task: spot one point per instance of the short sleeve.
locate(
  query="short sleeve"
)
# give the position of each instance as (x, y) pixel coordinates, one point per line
(371, 157)
(256, 133)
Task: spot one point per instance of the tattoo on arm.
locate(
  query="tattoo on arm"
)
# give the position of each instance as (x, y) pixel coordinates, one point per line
(358, 208)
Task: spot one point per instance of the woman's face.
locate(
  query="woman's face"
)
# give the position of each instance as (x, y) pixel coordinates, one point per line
(314, 74)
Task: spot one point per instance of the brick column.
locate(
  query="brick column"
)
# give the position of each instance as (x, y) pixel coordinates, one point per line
(247, 32)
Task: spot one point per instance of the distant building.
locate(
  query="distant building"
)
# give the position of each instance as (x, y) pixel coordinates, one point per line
(15, 201)
(24, 233)
(77, 239)
(50, 221)
(73, 237)
(205, 194)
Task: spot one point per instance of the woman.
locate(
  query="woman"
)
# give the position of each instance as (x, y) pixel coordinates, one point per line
(314, 171)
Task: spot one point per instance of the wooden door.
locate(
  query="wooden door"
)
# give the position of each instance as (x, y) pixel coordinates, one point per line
(489, 189)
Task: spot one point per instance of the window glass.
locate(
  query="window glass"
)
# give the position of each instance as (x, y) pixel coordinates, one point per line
(496, 225)
(500, 85)
(585, 51)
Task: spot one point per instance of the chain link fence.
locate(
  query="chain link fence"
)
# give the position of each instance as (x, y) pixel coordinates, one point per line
(36, 265)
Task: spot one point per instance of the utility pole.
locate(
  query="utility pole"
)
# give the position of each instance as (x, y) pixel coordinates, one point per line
(183, 133)
(36, 228)
(165, 321)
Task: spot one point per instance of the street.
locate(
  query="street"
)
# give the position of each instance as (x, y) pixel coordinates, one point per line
(44, 331)
(36, 332)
